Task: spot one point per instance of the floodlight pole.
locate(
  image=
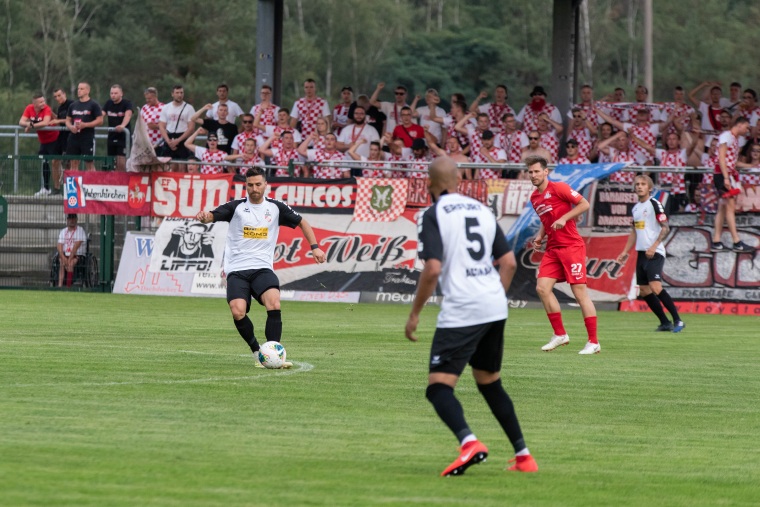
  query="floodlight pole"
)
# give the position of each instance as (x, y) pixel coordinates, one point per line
(269, 20)
(648, 49)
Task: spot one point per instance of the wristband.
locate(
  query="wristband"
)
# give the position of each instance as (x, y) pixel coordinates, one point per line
(314, 246)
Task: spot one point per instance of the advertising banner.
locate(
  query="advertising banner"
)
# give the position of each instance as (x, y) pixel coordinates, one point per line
(106, 193)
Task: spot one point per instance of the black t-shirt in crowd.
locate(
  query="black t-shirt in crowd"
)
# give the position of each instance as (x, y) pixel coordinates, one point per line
(115, 115)
(85, 112)
(225, 133)
(61, 114)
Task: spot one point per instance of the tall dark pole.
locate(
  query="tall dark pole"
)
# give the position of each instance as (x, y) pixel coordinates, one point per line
(269, 18)
(564, 54)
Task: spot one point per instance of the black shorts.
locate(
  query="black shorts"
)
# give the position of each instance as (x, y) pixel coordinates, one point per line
(481, 346)
(250, 283)
(62, 142)
(117, 144)
(79, 145)
(719, 181)
(50, 148)
(649, 270)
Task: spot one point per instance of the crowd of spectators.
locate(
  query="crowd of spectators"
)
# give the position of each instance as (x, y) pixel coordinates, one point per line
(398, 137)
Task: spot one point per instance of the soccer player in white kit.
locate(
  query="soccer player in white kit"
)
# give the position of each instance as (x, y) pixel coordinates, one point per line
(249, 253)
(459, 240)
(650, 228)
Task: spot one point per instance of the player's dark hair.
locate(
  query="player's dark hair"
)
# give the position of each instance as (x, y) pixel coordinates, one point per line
(177, 87)
(536, 160)
(256, 171)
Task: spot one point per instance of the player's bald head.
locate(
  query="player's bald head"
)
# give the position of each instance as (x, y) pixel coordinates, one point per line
(444, 175)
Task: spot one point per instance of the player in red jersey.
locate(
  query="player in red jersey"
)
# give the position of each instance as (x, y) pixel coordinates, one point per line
(558, 206)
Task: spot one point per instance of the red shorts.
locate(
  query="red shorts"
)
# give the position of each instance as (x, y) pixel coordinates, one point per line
(564, 264)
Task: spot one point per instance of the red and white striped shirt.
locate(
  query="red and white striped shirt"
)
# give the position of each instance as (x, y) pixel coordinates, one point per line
(672, 159)
(513, 145)
(326, 172)
(648, 133)
(151, 114)
(268, 116)
(550, 143)
(308, 112)
(495, 113)
(206, 155)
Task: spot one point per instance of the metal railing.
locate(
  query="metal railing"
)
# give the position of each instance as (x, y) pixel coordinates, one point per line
(17, 132)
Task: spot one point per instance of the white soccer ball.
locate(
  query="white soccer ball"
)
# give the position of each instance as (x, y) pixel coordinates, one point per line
(272, 355)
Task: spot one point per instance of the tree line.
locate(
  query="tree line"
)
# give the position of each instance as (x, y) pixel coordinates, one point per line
(450, 45)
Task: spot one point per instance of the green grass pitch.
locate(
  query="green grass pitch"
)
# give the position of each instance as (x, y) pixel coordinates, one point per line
(109, 400)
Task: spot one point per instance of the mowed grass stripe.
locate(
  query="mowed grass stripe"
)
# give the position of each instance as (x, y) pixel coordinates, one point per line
(655, 419)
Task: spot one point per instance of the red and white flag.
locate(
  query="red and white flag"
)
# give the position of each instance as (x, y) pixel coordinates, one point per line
(380, 199)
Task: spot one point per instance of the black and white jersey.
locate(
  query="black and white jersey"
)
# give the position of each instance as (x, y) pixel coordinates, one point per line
(647, 217)
(253, 231)
(463, 234)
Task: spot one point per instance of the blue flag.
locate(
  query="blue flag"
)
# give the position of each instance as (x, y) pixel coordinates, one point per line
(577, 176)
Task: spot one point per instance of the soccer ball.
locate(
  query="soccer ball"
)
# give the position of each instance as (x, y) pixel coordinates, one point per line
(272, 355)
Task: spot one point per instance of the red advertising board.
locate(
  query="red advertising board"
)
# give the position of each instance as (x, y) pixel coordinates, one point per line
(106, 193)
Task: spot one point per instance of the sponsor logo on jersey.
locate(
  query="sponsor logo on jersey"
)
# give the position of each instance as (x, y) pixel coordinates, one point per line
(255, 232)
(543, 208)
(639, 224)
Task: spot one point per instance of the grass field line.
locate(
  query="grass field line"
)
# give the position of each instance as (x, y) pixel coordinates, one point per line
(121, 347)
(299, 367)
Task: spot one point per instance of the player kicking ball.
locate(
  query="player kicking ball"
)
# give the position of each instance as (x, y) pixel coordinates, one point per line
(558, 205)
(650, 228)
(249, 255)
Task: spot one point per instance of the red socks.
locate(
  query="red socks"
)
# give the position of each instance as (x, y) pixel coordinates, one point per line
(556, 321)
(591, 328)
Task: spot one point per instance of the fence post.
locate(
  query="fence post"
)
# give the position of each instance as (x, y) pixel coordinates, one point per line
(15, 162)
(106, 252)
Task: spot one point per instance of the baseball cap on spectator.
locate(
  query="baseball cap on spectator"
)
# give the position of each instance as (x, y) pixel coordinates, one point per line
(71, 215)
(487, 134)
(211, 136)
(571, 142)
(347, 88)
(538, 90)
(419, 144)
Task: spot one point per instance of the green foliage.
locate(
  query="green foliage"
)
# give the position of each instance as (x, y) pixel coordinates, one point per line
(142, 400)
(450, 45)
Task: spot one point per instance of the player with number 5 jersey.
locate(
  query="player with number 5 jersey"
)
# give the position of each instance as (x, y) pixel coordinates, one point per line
(558, 205)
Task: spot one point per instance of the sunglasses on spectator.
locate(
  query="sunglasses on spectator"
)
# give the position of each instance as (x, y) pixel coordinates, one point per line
(533, 138)
(247, 121)
(400, 93)
(577, 117)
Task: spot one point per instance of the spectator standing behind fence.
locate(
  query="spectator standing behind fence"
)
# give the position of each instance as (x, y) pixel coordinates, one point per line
(358, 130)
(726, 180)
(70, 246)
(151, 114)
(282, 156)
(83, 116)
(327, 154)
(224, 129)
(176, 125)
(38, 115)
(265, 110)
(209, 154)
(495, 110)
(340, 118)
(118, 112)
(532, 111)
(308, 109)
(391, 110)
(431, 116)
(63, 136)
(233, 109)
(248, 132)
